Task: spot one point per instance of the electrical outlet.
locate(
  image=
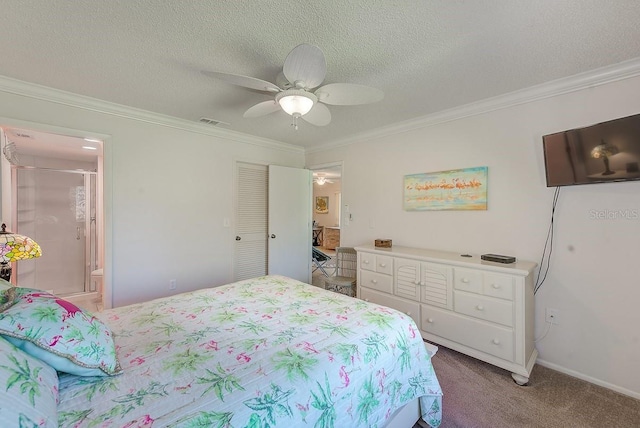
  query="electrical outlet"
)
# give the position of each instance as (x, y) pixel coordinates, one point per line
(172, 284)
(552, 316)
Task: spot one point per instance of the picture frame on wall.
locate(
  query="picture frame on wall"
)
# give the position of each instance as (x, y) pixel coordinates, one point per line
(456, 189)
(322, 204)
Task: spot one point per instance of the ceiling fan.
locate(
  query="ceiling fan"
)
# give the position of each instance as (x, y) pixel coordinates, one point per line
(297, 90)
(322, 180)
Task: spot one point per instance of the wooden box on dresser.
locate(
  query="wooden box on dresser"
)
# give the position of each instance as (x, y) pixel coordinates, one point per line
(482, 309)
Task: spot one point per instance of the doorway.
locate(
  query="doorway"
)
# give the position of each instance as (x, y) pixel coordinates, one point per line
(57, 208)
(327, 216)
(52, 192)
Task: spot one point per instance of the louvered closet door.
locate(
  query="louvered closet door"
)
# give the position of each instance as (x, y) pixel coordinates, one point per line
(252, 184)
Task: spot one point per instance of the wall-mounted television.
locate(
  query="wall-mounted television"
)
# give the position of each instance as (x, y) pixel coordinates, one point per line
(601, 153)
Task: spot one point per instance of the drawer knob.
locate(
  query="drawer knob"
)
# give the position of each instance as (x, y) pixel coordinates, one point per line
(408, 313)
(430, 320)
(366, 262)
(383, 264)
(495, 341)
(480, 308)
(465, 280)
(375, 281)
(496, 286)
(366, 300)
(416, 282)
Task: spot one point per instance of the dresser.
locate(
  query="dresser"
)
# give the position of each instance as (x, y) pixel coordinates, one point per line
(482, 309)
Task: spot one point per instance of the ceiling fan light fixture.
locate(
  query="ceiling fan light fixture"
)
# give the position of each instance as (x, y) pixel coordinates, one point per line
(321, 181)
(296, 101)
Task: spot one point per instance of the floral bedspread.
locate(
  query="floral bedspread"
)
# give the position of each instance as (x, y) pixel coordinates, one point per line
(264, 352)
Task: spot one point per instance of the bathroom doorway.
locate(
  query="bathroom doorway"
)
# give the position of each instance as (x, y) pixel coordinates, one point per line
(57, 208)
(53, 194)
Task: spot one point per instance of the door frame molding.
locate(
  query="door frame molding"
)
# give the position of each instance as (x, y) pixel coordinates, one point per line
(104, 200)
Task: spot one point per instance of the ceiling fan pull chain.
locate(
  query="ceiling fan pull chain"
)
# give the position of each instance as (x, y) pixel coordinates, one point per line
(295, 121)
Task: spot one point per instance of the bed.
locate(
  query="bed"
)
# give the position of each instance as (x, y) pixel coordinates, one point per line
(264, 352)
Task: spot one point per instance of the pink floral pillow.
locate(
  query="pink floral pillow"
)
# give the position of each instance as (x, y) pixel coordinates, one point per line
(59, 333)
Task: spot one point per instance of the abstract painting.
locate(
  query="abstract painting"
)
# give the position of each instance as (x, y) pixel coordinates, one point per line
(457, 189)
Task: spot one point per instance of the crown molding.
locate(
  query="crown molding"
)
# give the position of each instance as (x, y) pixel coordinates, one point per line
(601, 76)
(44, 93)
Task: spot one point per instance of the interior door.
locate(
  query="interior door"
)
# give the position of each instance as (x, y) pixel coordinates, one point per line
(290, 222)
(250, 250)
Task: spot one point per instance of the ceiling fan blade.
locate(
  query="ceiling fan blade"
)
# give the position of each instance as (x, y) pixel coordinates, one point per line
(319, 115)
(305, 64)
(262, 109)
(348, 94)
(246, 81)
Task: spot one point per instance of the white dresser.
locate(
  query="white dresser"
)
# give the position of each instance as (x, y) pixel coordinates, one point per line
(482, 309)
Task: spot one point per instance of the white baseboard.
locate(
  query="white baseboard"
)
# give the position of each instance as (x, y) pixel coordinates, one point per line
(589, 379)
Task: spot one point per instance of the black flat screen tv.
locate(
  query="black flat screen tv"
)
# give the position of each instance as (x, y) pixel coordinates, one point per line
(601, 153)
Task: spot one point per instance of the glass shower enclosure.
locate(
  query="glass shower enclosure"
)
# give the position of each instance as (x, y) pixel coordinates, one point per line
(57, 208)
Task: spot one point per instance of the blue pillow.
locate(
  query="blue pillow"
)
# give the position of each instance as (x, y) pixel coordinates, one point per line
(28, 390)
(58, 333)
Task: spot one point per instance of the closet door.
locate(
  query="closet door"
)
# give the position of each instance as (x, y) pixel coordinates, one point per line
(272, 222)
(250, 258)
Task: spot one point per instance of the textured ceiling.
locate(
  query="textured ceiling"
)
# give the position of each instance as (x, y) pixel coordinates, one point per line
(427, 56)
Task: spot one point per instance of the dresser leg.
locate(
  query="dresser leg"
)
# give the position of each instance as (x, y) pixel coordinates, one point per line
(519, 379)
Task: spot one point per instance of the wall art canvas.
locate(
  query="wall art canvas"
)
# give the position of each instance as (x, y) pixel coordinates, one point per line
(457, 189)
(322, 204)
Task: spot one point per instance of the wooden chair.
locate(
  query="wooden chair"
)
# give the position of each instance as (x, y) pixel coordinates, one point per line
(344, 280)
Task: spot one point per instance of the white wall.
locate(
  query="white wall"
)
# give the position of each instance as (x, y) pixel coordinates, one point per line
(593, 280)
(167, 190)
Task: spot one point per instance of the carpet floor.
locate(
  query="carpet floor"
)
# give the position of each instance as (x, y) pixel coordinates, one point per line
(478, 395)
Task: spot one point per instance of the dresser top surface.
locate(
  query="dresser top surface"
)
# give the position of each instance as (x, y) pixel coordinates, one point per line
(521, 267)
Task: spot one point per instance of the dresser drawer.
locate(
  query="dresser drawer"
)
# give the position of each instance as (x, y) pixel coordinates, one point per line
(467, 280)
(376, 263)
(497, 285)
(368, 261)
(376, 281)
(485, 308)
(491, 339)
(384, 264)
(487, 283)
(410, 308)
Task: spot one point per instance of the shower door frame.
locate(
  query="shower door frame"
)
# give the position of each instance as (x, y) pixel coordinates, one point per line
(91, 235)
